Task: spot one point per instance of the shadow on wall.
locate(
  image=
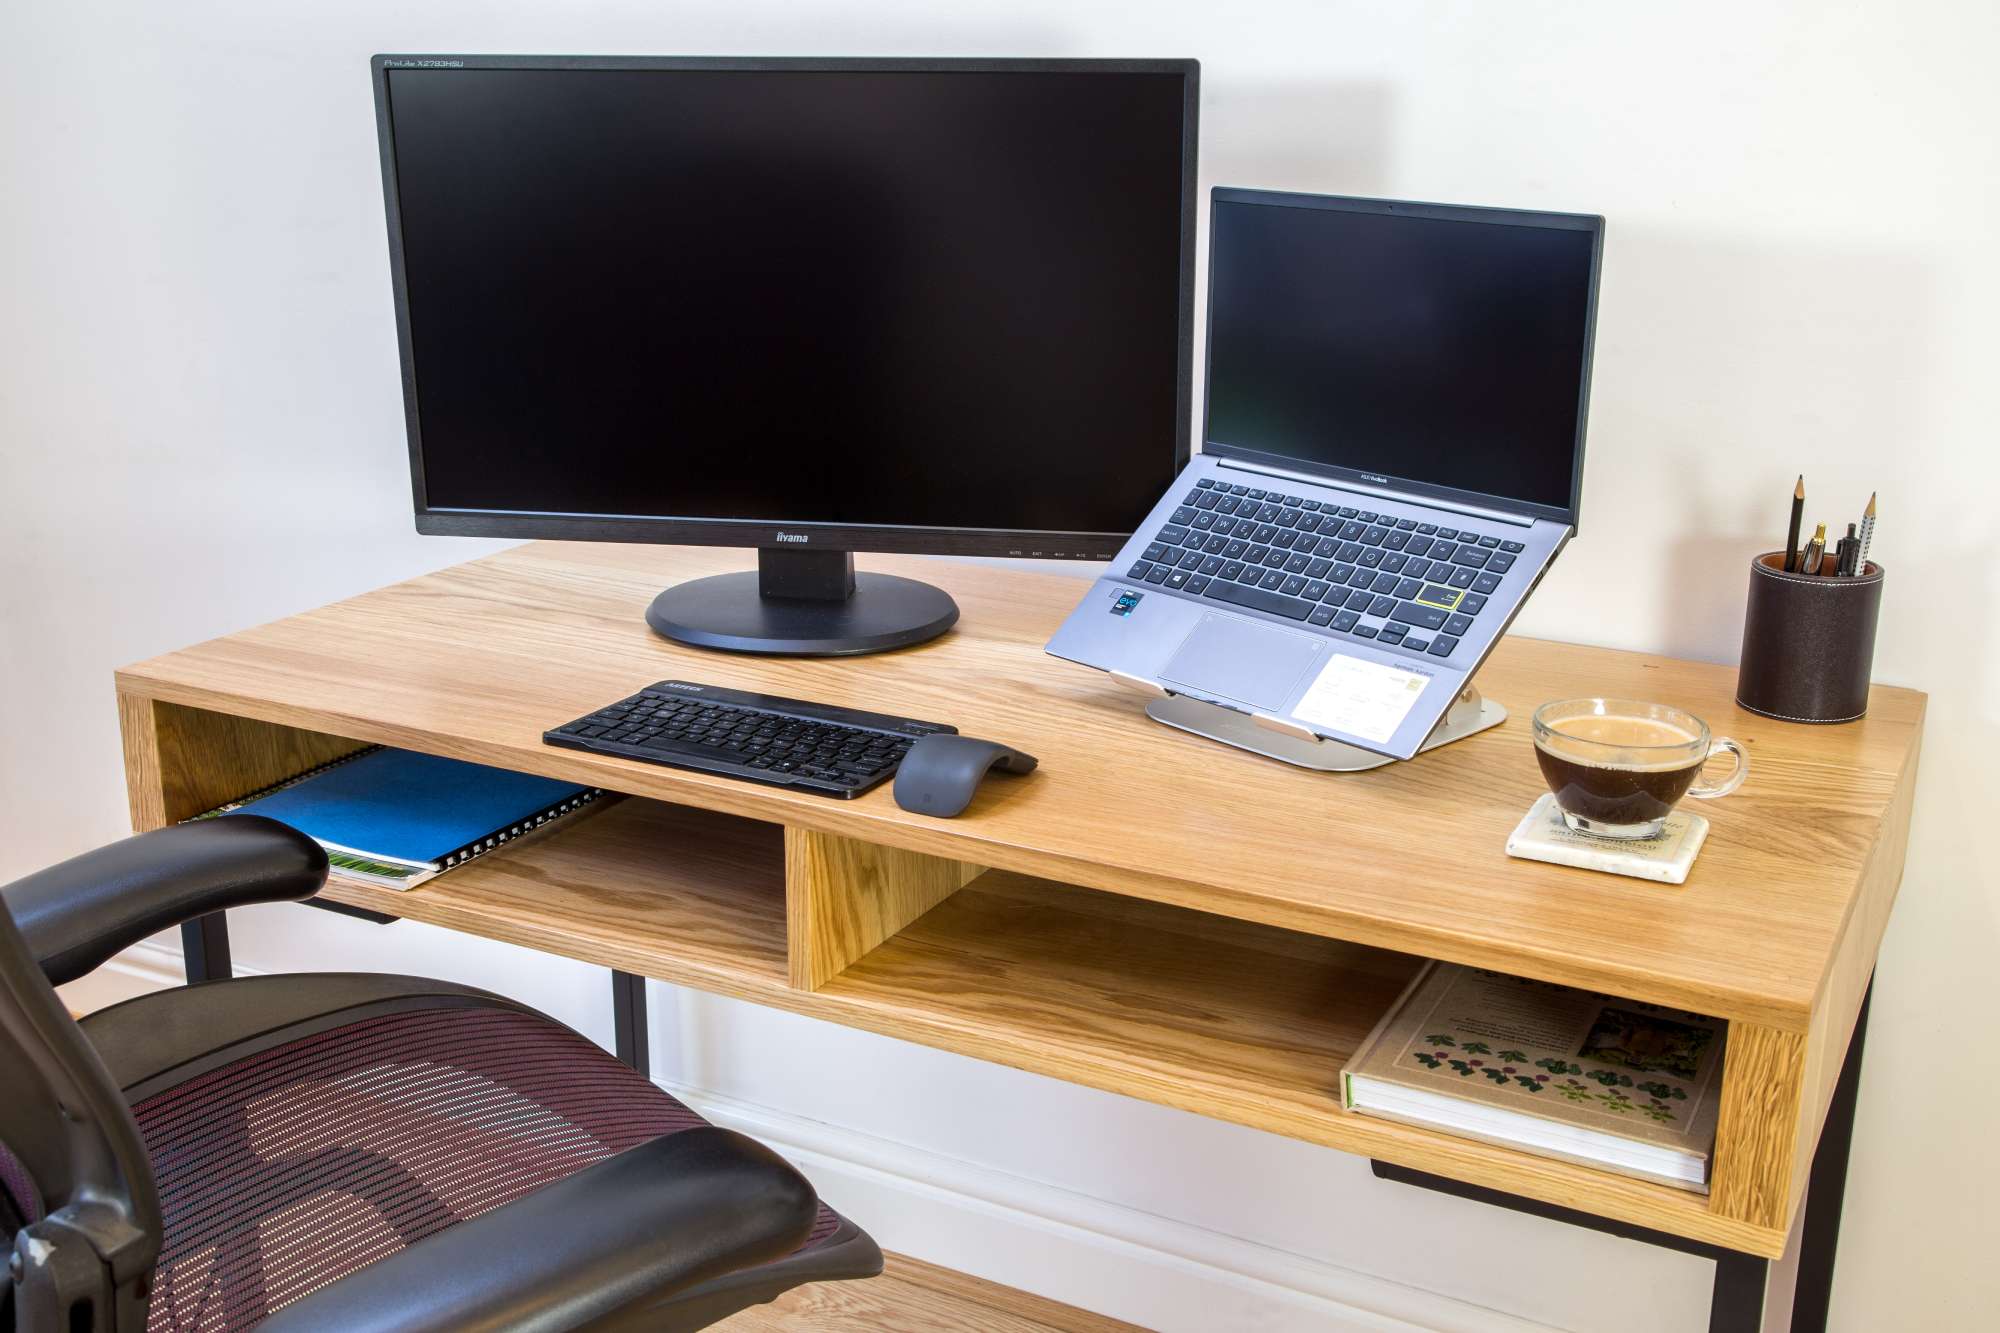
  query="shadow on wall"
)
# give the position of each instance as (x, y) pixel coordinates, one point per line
(1321, 138)
(1315, 138)
(1723, 370)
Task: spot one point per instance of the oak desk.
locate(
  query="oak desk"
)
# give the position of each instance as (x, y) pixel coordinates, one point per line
(1149, 913)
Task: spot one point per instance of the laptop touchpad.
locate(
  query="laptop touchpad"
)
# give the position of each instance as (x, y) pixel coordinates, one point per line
(1229, 657)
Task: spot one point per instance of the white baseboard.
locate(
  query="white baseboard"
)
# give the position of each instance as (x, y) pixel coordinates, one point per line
(145, 967)
(1158, 1272)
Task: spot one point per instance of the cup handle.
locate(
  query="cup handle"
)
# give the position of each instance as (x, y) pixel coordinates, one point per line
(1736, 775)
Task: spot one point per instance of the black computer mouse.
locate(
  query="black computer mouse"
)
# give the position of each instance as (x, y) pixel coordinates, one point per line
(942, 772)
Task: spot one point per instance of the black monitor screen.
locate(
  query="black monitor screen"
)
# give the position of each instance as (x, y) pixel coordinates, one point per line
(1450, 353)
(944, 299)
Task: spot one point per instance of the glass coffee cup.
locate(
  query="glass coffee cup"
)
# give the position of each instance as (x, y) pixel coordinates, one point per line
(1618, 766)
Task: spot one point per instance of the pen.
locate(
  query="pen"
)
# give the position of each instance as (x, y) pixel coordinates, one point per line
(1867, 535)
(1815, 551)
(1792, 537)
(1850, 547)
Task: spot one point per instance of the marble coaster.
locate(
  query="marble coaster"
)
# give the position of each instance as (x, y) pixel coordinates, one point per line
(1542, 836)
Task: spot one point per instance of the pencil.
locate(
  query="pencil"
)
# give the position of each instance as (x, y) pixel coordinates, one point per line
(1798, 512)
(1867, 534)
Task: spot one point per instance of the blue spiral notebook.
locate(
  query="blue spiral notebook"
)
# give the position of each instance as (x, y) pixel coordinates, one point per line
(397, 818)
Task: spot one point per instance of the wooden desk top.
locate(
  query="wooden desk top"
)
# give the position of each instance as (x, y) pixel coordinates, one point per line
(478, 660)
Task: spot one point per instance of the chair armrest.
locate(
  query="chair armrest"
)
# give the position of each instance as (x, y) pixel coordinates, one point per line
(633, 1229)
(77, 914)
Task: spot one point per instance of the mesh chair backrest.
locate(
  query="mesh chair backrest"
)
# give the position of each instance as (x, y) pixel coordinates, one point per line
(67, 1138)
(288, 1169)
(20, 1201)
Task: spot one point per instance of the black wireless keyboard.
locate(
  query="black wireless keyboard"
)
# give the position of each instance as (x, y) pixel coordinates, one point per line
(760, 737)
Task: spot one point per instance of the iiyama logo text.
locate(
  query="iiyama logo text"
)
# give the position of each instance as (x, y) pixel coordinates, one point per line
(794, 536)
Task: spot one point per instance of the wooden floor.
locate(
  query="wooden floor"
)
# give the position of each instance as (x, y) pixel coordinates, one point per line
(915, 1297)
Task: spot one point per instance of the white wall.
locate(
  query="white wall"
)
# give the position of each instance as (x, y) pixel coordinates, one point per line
(200, 429)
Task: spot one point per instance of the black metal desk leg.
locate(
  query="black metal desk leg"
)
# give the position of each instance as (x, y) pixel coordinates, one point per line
(205, 948)
(1738, 1303)
(628, 1016)
(1819, 1229)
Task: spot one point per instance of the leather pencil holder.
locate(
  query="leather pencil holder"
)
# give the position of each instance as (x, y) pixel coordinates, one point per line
(1808, 642)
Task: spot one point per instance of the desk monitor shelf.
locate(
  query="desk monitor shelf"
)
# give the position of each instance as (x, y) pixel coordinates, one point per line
(1128, 919)
(1469, 714)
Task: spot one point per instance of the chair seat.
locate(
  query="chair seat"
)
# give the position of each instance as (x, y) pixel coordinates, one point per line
(300, 1153)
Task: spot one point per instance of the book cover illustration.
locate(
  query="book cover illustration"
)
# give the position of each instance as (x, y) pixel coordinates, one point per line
(1638, 1070)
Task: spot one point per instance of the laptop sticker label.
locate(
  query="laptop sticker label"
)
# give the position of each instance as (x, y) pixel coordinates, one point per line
(1361, 698)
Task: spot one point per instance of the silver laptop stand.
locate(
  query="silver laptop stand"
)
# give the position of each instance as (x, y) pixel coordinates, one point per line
(1470, 714)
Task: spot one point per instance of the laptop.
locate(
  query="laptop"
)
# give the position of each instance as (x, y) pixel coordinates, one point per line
(1392, 456)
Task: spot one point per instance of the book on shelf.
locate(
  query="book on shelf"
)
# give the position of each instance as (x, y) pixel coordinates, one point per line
(395, 818)
(1616, 1084)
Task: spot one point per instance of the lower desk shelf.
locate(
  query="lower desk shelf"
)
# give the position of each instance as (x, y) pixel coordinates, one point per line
(1228, 1019)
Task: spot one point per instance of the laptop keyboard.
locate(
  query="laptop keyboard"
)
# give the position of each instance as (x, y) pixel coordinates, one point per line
(1400, 582)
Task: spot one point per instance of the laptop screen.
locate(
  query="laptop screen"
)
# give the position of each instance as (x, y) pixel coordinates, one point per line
(1441, 350)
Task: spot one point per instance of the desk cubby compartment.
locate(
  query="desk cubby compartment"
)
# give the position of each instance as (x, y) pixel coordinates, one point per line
(1226, 1018)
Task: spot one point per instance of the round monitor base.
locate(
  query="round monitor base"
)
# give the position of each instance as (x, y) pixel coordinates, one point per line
(728, 613)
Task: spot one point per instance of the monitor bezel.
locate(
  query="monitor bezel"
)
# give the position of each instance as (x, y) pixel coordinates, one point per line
(694, 531)
(1586, 222)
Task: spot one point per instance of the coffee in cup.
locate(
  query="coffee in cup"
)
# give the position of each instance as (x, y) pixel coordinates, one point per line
(1618, 767)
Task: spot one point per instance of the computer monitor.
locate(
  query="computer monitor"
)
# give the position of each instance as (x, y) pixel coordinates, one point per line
(808, 306)
(1437, 349)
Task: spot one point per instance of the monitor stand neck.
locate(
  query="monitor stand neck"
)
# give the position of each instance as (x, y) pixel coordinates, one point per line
(1470, 714)
(805, 576)
(802, 603)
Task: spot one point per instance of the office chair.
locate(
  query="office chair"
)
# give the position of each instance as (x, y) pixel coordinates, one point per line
(347, 1151)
